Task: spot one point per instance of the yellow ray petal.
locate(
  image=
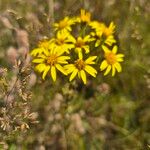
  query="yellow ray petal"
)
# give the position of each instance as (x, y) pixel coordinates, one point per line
(114, 50)
(105, 49)
(74, 73)
(63, 58)
(71, 39)
(87, 38)
(113, 70)
(97, 43)
(107, 70)
(69, 68)
(46, 52)
(40, 67)
(36, 51)
(118, 67)
(38, 60)
(59, 53)
(120, 55)
(61, 69)
(42, 56)
(45, 71)
(103, 65)
(90, 60)
(90, 70)
(119, 59)
(53, 73)
(83, 76)
(86, 48)
(80, 55)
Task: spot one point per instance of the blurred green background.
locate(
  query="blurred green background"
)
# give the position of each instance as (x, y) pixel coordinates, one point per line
(106, 114)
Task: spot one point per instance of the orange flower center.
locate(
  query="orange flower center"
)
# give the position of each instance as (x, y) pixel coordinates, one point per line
(63, 24)
(80, 43)
(51, 60)
(80, 64)
(111, 58)
(107, 31)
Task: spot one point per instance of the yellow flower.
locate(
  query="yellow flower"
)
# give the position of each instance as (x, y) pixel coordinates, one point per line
(107, 31)
(98, 26)
(80, 67)
(41, 48)
(50, 61)
(103, 34)
(82, 44)
(112, 60)
(62, 42)
(85, 17)
(64, 25)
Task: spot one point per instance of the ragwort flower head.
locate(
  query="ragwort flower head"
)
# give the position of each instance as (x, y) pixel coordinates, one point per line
(112, 61)
(50, 61)
(62, 42)
(42, 45)
(81, 44)
(81, 67)
(85, 17)
(64, 25)
(103, 34)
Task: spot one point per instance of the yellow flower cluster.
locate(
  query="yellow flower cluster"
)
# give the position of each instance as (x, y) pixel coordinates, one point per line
(79, 47)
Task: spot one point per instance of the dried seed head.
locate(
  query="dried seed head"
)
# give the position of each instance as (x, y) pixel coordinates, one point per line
(12, 55)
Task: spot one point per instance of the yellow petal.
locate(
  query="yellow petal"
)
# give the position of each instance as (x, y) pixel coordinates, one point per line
(120, 55)
(59, 53)
(105, 49)
(36, 51)
(80, 55)
(38, 60)
(119, 59)
(61, 58)
(45, 71)
(53, 73)
(61, 69)
(97, 43)
(71, 39)
(83, 76)
(69, 68)
(118, 67)
(74, 73)
(114, 50)
(40, 67)
(112, 26)
(46, 52)
(88, 38)
(104, 65)
(113, 70)
(107, 70)
(86, 48)
(90, 70)
(90, 60)
(110, 40)
(42, 56)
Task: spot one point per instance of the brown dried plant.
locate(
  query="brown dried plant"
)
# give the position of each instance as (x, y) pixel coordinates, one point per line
(15, 95)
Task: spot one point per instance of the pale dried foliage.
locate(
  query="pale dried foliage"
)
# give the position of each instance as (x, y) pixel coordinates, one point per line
(15, 114)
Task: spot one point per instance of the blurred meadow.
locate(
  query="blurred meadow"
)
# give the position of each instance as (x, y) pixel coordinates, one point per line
(108, 113)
